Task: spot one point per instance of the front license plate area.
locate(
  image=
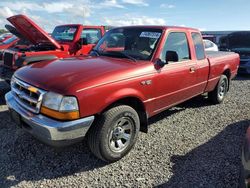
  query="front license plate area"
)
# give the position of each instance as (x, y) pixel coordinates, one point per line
(15, 117)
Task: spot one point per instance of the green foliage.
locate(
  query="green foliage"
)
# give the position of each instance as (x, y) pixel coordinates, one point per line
(3, 31)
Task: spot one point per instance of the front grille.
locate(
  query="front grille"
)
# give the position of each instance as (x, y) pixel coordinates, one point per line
(26, 95)
(8, 59)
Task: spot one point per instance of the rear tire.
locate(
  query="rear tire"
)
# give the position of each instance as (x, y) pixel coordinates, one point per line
(114, 133)
(217, 96)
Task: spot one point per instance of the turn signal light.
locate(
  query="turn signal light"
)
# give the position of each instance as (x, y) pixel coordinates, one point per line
(60, 115)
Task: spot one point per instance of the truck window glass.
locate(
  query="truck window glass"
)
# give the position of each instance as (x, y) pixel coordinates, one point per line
(176, 41)
(135, 43)
(199, 46)
(64, 33)
(92, 36)
(239, 41)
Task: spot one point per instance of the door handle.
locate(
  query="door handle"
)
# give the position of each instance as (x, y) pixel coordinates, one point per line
(192, 70)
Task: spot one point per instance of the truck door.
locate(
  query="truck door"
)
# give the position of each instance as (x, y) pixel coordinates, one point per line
(175, 81)
(89, 38)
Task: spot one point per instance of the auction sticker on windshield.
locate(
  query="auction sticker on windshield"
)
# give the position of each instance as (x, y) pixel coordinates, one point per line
(154, 35)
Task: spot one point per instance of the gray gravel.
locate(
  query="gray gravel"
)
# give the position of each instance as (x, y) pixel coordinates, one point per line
(196, 144)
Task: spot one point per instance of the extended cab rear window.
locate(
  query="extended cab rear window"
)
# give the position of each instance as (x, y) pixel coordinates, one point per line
(199, 46)
(64, 33)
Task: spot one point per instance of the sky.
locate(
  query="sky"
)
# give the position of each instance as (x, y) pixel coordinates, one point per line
(202, 14)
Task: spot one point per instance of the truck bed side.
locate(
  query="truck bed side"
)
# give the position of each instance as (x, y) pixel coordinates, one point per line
(221, 63)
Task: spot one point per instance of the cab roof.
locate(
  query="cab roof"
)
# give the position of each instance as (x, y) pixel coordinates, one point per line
(161, 27)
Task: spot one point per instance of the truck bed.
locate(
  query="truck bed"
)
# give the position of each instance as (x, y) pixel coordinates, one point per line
(221, 61)
(213, 54)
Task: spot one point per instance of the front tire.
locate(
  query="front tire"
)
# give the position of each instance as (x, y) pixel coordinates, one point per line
(114, 133)
(217, 96)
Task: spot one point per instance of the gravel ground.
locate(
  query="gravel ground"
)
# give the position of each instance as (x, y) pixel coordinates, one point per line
(193, 145)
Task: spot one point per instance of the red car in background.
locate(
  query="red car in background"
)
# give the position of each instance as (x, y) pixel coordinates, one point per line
(5, 36)
(65, 41)
(9, 42)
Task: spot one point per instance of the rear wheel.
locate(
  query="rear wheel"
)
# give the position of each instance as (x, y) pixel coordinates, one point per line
(218, 94)
(114, 133)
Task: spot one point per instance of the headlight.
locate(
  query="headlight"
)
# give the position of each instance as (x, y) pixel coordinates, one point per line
(60, 107)
(68, 104)
(52, 101)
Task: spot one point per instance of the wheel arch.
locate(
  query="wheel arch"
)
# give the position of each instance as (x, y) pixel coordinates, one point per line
(137, 104)
(227, 73)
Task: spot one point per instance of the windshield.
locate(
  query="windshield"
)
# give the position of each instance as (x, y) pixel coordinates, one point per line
(64, 33)
(239, 40)
(10, 40)
(132, 43)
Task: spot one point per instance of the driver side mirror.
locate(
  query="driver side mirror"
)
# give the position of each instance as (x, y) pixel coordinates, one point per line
(171, 56)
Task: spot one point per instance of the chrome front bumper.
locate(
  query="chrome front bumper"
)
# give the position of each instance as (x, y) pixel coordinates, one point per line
(50, 131)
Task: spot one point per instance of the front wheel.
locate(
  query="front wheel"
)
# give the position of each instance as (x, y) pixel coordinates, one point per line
(114, 134)
(218, 94)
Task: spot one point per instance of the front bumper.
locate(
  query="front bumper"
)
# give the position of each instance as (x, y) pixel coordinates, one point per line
(49, 131)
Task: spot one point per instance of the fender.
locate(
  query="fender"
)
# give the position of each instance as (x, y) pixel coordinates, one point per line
(122, 94)
(132, 98)
(28, 60)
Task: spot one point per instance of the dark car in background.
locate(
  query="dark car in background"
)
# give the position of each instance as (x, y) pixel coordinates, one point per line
(238, 42)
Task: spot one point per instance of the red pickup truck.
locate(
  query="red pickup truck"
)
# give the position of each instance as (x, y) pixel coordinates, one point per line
(133, 73)
(65, 41)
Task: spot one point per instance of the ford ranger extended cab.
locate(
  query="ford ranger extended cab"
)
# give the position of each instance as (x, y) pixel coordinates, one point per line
(66, 41)
(133, 73)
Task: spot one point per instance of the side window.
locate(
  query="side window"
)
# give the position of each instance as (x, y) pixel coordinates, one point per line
(199, 47)
(91, 36)
(177, 42)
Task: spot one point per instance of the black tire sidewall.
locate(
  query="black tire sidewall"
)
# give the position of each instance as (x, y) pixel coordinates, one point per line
(109, 123)
(223, 78)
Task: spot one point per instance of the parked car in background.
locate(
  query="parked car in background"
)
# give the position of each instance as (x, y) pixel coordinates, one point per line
(17, 41)
(6, 44)
(210, 46)
(9, 42)
(133, 73)
(5, 36)
(65, 41)
(239, 42)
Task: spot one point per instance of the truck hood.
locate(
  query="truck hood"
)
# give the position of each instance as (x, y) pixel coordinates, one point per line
(67, 76)
(31, 31)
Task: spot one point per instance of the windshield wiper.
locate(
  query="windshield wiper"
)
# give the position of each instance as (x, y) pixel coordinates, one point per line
(122, 54)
